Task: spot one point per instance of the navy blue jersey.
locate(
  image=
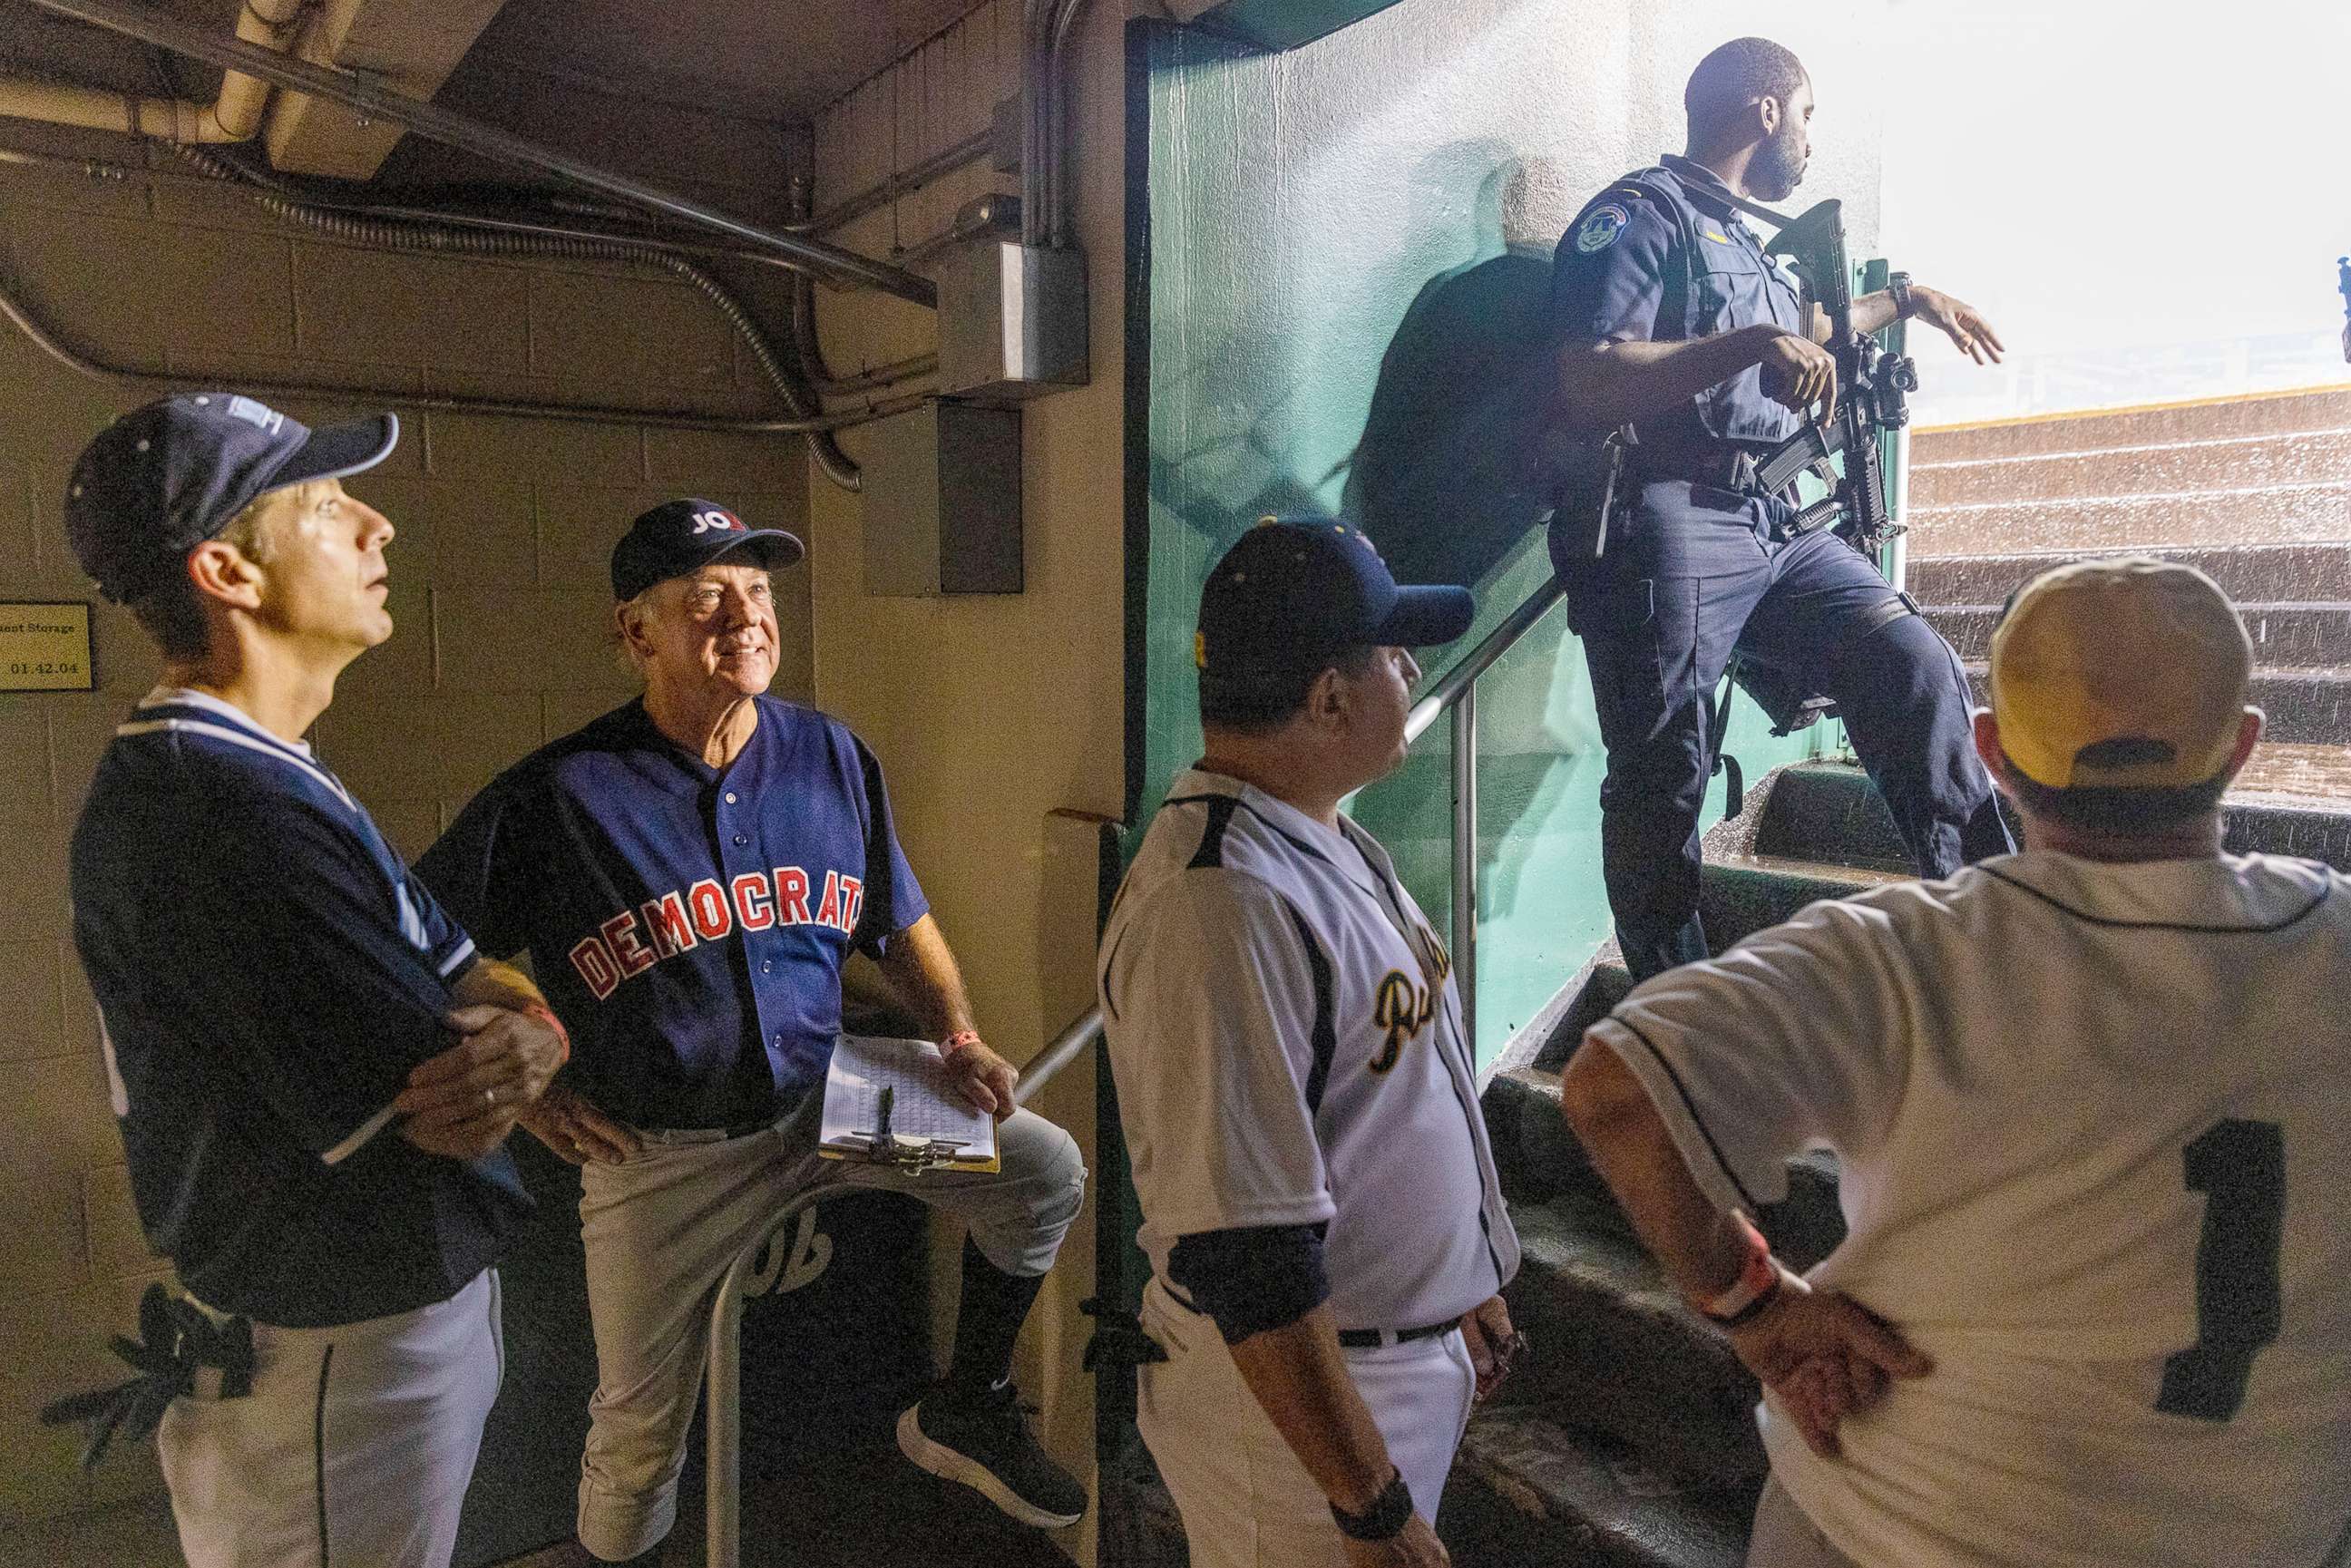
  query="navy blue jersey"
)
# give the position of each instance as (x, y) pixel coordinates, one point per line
(267, 972)
(688, 922)
(1662, 256)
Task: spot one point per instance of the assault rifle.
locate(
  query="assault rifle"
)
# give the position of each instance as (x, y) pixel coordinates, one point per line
(1874, 388)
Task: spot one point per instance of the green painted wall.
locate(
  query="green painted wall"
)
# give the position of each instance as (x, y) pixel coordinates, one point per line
(1386, 200)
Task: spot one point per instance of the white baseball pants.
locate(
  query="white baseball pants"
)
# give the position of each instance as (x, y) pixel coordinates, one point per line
(352, 1450)
(662, 1228)
(1785, 1538)
(1247, 1501)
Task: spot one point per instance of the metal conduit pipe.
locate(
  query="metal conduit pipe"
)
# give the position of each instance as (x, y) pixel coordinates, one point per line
(439, 239)
(42, 339)
(149, 25)
(1061, 186)
(1044, 30)
(810, 349)
(913, 177)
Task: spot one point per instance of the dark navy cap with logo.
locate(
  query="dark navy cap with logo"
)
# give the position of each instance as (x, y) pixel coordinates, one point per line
(164, 478)
(680, 537)
(1296, 590)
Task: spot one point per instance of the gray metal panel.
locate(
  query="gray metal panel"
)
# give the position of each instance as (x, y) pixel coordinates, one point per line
(941, 503)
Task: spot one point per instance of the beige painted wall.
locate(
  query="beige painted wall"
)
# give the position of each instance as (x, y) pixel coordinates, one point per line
(993, 714)
(498, 592)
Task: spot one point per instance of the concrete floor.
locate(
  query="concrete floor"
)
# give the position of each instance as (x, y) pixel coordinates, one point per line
(865, 1509)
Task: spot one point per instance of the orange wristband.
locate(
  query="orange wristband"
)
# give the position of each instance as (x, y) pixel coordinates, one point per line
(546, 1014)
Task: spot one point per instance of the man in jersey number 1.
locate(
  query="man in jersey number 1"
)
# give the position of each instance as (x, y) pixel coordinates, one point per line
(1327, 1237)
(2088, 1102)
(689, 872)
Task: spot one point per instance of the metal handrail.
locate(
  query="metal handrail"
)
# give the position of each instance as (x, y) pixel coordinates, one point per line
(1456, 692)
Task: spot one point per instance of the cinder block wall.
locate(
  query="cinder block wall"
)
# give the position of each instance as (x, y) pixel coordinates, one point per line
(1000, 717)
(497, 590)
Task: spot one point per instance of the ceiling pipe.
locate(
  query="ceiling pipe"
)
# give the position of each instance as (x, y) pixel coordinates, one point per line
(234, 116)
(153, 27)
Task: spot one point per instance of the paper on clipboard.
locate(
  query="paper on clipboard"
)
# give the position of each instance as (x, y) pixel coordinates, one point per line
(925, 1102)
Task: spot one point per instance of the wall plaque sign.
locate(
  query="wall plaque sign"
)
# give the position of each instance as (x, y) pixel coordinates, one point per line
(46, 647)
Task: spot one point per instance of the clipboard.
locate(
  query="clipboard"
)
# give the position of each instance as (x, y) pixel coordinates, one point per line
(893, 1102)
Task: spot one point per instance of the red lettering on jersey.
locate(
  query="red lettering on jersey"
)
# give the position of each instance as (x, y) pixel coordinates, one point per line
(621, 931)
(594, 962)
(712, 918)
(751, 904)
(853, 902)
(829, 912)
(791, 894)
(665, 919)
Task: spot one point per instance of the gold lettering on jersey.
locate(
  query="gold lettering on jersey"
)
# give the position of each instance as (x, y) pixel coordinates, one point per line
(1402, 1010)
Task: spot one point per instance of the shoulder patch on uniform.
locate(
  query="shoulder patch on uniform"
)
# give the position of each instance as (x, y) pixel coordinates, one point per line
(1599, 229)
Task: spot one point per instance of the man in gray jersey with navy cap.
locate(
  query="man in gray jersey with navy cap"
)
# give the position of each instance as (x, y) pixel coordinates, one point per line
(1327, 1238)
(312, 1071)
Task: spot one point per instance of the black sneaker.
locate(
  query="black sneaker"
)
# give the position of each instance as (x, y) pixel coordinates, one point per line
(985, 1445)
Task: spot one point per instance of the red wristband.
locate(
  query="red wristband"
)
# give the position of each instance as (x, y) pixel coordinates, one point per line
(958, 1040)
(1756, 1279)
(546, 1015)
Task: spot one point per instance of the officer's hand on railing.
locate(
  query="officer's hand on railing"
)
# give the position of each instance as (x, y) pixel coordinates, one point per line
(1800, 374)
(1960, 322)
(576, 1131)
(1415, 1546)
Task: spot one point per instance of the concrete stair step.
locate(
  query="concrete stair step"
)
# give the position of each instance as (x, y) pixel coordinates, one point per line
(2290, 413)
(2307, 707)
(1616, 1350)
(1540, 1161)
(2224, 462)
(2285, 636)
(2270, 574)
(1741, 895)
(2290, 801)
(2276, 514)
(1529, 1491)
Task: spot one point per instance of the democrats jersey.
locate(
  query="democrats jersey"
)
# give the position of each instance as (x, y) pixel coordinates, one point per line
(267, 973)
(1287, 1043)
(1662, 256)
(688, 923)
(2094, 1123)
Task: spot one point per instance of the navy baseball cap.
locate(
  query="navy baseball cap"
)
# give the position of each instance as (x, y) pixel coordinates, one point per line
(164, 478)
(679, 536)
(1294, 590)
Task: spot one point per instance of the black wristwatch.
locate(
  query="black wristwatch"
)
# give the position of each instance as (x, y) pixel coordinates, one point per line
(1385, 1519)
(1906, 304)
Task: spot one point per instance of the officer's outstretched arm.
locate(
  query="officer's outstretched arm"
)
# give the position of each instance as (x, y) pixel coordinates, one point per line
(1957, 319)
(1604, 385)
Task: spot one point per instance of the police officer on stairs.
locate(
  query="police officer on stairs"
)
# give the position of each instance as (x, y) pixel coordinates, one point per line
(1670, 317)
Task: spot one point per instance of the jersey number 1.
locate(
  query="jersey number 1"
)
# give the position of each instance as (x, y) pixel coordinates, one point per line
(2239, 1167)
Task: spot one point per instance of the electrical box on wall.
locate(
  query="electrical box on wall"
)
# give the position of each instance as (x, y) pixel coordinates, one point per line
(1012, 321)
(942, 502)
(1275, 23)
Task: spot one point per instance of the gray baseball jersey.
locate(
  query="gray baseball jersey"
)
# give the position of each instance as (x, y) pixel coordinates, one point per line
(1288, 1047)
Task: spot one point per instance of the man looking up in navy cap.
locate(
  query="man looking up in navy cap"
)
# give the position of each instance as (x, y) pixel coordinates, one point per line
(689, 873)
(278, 994)
(1327, 1240)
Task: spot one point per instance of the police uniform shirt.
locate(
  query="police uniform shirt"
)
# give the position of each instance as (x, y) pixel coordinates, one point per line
(688, 923)
(2096, 1157)
(1287, 1044)
(267, 973)
(1663, 256)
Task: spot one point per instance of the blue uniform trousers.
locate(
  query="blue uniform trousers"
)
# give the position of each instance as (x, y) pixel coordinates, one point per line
(1692, 572)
